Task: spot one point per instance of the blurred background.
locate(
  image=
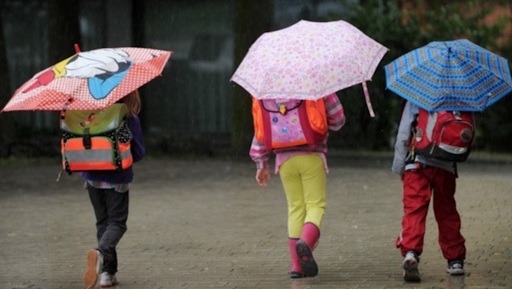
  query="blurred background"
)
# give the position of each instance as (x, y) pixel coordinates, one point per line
(193, 108)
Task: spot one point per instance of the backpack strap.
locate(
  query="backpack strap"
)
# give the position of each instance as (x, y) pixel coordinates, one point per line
(65, 108)
(412, 136)
(62, 118)
(282, 109)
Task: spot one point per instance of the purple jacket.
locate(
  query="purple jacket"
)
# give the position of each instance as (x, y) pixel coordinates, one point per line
(138, 151)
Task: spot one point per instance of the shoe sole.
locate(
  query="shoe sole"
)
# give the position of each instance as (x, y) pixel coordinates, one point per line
(309, 266)
(455, 272)
(92, 270)
(411, 272)
(296, 275)
(109, 285)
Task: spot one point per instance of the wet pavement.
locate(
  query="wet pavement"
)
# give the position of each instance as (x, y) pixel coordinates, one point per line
(206, 224)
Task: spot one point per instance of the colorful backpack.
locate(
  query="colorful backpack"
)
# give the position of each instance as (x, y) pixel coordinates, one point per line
(444, 135)
(289, 123)
(96, 139)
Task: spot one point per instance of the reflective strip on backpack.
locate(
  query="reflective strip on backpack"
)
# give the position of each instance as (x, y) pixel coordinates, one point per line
(453, 149)
(101, 156)
(92, 155)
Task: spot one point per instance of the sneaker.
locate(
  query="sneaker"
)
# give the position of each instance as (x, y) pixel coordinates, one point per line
(94, 265)
(309, 267)
(410, 266)
(456, 267)
(108, 280)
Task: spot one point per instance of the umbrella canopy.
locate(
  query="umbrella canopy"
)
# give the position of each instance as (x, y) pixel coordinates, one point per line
(309, 60)
(450, 75)
(89, 80)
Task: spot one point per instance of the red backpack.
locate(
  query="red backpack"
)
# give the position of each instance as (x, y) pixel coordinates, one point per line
(444, 135)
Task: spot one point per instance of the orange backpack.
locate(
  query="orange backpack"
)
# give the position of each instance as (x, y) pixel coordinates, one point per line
(96, 139)
(284, 124)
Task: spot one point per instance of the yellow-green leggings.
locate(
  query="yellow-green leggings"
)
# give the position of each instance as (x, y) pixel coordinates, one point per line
(304, 182)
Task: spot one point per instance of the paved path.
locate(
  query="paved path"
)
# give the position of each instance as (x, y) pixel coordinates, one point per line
(206, 224)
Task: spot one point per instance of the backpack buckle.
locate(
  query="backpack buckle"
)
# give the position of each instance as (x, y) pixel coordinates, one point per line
(282, 109)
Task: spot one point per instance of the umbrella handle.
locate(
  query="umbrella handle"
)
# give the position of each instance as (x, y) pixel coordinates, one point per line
(367, 98)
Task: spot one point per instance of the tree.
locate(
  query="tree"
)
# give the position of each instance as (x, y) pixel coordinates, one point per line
(63, 28)
(472, 20)
(63, 32)
(252, 18)
(403, 26)
(6, 127)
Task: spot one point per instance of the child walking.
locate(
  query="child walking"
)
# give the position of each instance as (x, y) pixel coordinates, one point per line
(302, 170)
(423, 178)
(108, 192)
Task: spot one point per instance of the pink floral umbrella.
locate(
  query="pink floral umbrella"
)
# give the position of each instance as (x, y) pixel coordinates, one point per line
(309, 60)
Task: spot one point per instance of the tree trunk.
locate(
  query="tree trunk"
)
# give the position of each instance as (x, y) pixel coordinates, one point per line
(63, 33)
(252, 18)
(6, 127)
(138, 40)
(63, 29)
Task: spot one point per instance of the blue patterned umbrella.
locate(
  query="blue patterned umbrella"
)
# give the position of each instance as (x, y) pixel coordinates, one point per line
(450, 75)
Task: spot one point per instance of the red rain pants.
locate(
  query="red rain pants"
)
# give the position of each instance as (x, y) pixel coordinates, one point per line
(419, 186)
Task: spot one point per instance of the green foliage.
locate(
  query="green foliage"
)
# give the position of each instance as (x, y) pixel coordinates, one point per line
(403, 30)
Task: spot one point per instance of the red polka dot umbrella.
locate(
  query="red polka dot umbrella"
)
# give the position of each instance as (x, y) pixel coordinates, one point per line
(87, 80)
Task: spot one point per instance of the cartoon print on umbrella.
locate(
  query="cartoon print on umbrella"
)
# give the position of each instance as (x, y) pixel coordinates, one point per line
(89, 80)
(104, 70)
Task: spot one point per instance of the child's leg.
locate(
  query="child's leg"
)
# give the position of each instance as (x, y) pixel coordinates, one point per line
(314, 182)
(304, 182)
(296, 270)
(117, 209)
(100, 210)
(312, 172)
(305, 247)
(292, 184)
(416, 199)
(450, 239)
(94, 256)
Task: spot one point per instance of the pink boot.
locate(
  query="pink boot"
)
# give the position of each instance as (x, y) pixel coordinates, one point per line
(296, 271)
(305, 247)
